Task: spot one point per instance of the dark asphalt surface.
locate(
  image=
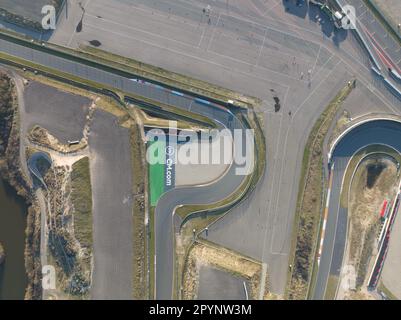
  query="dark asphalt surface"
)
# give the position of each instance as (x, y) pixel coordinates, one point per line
(215, 284)
(166, 205)
(62, 114)
(111, 174)
(376, 132)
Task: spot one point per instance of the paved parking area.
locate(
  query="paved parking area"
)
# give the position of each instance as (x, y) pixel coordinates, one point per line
(62, 114)
(216, 284)
(111, 175)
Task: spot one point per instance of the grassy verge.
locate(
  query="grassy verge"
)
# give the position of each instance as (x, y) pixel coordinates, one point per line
(151, 252)
(81, 196)
(309, 203)
(140, 279)
(168, 77)
(154, 122)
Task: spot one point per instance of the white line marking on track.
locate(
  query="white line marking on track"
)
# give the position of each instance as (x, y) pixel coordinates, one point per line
(261, 47)
(317, 87)
(250, 74)
(144, 31)
(214, 31)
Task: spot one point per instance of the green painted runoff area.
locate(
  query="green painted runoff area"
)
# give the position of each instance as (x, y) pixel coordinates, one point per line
(156, 173)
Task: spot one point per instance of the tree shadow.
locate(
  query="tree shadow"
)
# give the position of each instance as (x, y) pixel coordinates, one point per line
(298, 8)
(302, 9)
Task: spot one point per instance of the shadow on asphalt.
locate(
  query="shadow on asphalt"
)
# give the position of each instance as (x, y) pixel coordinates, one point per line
(302, 9)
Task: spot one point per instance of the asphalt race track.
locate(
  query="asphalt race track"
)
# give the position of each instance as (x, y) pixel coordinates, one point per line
(188, 195)
(386, 132)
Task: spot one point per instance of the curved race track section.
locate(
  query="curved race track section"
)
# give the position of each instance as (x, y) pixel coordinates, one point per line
(164, 213)
(385, 132)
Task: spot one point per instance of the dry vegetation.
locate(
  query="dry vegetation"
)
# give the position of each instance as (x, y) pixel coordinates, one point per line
(358, 295)
(341, 124)
(140, 283)
(72, 257)
(81, 199)
(9, 137)
(33, 265)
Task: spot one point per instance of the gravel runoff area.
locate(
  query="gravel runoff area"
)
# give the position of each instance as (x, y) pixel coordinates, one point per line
(62, 114)
(215, 284)
(111, 173)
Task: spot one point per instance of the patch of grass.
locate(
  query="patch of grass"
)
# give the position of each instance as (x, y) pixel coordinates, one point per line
(81, 196)
(140, 245)
(151, 252)
(309, 203)
(156, 173)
